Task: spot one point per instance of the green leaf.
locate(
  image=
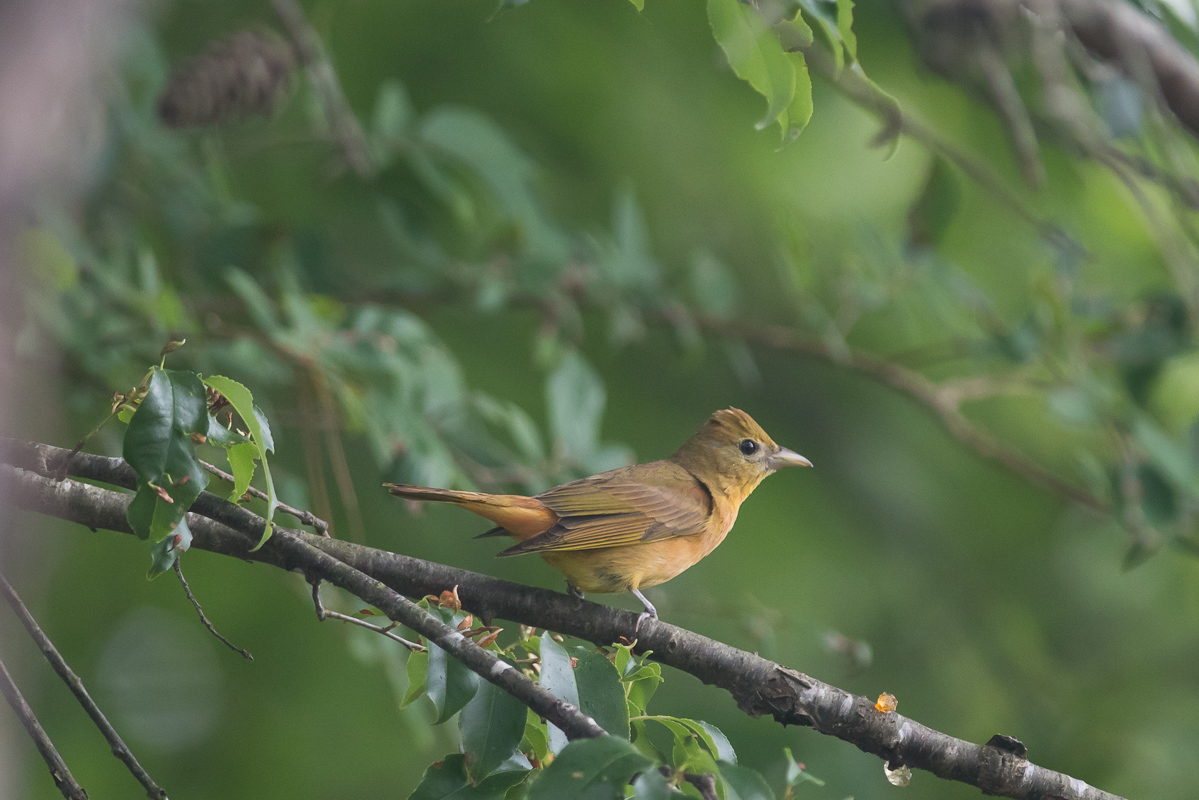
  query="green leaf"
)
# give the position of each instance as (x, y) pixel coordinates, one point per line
(140, 512)
(536, 737)
(449, 683)
(717, 743)
(243, 403)
(796, 774)
(742, 783)
(845, 28)
(590, 768)
(268, 440)
(260, 306)
(390, 121)
(475, 141)
(241, 464)
(638, 4)
(826, 17)
(447, 780)
(935, 208)
(653, 785)
(1171, 458)
(794, 33)
(799, 113)
(558, 678)
(492, 725)
(601, 695)
(756, 56)
(576, 400)
(167, 549)
(640, 676)
(416, 669)
(159, 447)
(220, 436)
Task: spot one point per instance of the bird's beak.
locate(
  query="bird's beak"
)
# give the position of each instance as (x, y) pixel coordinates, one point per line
(787, 458)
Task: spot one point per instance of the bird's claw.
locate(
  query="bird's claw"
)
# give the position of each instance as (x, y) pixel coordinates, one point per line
(642, 617)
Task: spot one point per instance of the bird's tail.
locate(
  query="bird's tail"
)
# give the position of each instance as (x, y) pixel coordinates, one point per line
(518, 515)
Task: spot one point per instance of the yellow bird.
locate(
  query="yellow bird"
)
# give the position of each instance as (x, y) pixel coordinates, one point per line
(634, 527)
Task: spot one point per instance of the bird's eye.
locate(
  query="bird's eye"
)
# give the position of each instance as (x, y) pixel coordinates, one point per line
(748, 447)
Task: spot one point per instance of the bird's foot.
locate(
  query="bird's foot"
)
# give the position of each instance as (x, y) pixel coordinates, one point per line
(649, 613)
(574, 591)
(642, 617)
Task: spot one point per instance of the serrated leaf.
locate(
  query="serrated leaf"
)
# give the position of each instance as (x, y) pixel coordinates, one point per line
(159, 447)
(742, 783)
(492, 725)
(756, 56)
(241, 464)
(243, 403)
(590, 768)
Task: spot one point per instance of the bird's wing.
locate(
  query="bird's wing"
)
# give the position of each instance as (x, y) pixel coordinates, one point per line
(632, 505)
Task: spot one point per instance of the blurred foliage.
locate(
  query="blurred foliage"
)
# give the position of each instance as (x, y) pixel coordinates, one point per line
(569, 246)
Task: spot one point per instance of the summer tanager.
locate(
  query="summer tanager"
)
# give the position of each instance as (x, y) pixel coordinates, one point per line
(634, 527)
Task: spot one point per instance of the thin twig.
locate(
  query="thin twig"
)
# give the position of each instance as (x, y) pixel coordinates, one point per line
(323, 613)
(62, 776)
(59, 665)
(196, 604)
(345, 126)
(304, 517)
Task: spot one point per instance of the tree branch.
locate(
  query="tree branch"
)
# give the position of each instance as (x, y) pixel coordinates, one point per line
(346, 129)
(759, 686)
(64, 671)
(221, 526)
(1121, 33)
(62, 776)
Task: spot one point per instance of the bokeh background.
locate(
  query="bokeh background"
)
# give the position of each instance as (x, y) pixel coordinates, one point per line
(552, 182)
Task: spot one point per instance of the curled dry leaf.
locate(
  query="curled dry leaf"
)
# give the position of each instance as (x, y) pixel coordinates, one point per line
(900, 776)
(449, 599)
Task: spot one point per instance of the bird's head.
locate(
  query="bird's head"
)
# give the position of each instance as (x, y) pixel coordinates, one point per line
(733, 453)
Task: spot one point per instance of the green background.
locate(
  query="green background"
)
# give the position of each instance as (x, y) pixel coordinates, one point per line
(988, 604)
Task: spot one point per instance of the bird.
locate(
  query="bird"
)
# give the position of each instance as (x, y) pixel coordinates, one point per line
(634, 527)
